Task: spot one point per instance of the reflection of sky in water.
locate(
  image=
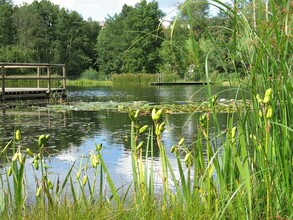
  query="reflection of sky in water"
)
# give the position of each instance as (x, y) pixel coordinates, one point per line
(95, 95)
(74, 94)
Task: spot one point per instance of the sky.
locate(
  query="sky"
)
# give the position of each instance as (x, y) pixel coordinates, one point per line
(98, 10)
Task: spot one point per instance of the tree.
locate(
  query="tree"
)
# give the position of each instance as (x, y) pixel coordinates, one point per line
(92, 29)
(194, 13)
(111, 46)
(46, 33)
(173, 53)
(130, 41)
(35, 25)
(72, 44)
(144, 32)
(7, 28)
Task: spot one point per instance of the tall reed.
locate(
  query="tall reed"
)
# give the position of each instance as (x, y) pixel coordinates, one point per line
(142, 78)
(242, 171)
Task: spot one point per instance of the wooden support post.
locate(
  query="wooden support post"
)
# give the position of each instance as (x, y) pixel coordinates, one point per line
(49, 79)
(38, 74)
(3, 82)
(64, 77)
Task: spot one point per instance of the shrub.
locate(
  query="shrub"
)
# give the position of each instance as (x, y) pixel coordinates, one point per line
(92, 74)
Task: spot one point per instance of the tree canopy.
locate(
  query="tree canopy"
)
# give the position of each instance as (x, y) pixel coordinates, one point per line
(131, 40)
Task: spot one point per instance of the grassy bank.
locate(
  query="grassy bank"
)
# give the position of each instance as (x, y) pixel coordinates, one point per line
(142, 79)
(87, 82)
(125, 79)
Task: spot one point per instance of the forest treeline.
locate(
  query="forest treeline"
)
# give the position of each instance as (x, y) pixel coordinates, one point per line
(132, 41)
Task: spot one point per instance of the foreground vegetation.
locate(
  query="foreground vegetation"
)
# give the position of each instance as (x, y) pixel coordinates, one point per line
(242, 171)
(237, 172)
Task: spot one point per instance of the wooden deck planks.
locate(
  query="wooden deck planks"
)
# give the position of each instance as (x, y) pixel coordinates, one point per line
(31, 93)
(178, 83)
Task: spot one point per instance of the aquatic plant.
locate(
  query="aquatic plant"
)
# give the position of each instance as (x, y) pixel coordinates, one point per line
(220, 172)
(221, 106)
(142, 78)
(87, 82)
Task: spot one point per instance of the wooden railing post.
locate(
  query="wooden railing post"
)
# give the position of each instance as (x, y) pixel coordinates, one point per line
(64, 77)
(38, 74)
(3, 82)
(49, 79)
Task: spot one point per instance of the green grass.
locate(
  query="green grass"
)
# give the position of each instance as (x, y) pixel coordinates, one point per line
(32, 83)
(87, 82)
(122, 79)
(142, 78)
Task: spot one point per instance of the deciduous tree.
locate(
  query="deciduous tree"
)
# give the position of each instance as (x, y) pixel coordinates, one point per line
(130, 41)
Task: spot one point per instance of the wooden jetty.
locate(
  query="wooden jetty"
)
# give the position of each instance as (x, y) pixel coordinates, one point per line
(41, 74)
(179, 83)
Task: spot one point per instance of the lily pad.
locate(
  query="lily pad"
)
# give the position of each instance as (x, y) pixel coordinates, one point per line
(146, 107)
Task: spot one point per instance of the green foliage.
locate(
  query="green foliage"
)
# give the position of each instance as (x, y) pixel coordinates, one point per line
(86, 82)
(144, 35)
(73, 43)
(196, 13)
(7, 28)
(142, 78)
(130, 41)
(41, 32)
(17, 54)
(91, 74)
(110, 47)
(173, 52)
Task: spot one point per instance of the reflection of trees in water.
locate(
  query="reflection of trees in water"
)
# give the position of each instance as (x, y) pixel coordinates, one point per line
(72, 128)
(66, 128)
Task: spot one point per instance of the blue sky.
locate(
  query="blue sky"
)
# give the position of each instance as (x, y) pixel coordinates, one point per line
(100, 9)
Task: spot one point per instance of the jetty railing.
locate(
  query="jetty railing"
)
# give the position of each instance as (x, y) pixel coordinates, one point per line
(39, 67)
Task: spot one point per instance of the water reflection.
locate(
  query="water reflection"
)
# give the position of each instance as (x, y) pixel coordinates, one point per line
(75, 133)
(155, 94)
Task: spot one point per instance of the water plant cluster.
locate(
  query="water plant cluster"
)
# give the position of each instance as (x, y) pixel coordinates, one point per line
(223, 106)
(143, 78)
(88, 82)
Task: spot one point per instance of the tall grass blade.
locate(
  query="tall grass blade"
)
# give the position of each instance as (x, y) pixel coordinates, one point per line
(109, 180)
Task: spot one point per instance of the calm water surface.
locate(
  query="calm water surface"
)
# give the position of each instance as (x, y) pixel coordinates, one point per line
(75, 133)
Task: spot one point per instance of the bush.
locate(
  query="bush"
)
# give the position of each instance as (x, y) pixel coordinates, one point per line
(92, 74)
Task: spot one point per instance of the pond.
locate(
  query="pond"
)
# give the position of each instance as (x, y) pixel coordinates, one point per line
(76, 132)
